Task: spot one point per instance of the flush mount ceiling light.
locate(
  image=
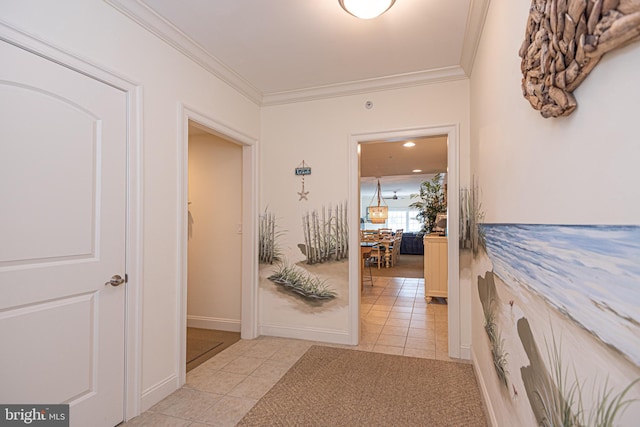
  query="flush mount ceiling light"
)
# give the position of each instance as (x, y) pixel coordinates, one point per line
(366, 9)
(409, 144)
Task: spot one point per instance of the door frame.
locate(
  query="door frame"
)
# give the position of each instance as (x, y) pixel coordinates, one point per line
(453, 190)
(134, 198)
(249, 292)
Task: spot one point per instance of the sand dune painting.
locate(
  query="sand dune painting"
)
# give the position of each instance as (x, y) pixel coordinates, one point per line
(315, 276)
(562, 309)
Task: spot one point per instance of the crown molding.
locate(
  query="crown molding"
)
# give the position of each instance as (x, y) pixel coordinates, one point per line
(398, 81)
(475, 24)
(140, 13)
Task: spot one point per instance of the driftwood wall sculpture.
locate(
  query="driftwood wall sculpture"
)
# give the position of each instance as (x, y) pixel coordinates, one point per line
(564, 40)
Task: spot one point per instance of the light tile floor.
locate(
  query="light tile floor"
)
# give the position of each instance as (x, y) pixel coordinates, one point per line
(395, 319)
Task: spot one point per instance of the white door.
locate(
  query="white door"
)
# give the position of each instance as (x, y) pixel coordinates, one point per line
(62, 237)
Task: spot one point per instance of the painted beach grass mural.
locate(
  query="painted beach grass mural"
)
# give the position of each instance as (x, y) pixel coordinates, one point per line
(268, 246)
(311, 281)
(326, 237)
(567, 305)
(589, 273)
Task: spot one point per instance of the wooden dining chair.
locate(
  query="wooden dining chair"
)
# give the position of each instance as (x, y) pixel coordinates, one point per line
(377, 253)
(395, 248)
(386, 248)
(384, 232)
(366, 262)
(369, 235)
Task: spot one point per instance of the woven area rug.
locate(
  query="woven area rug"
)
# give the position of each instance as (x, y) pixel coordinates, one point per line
(338, 387)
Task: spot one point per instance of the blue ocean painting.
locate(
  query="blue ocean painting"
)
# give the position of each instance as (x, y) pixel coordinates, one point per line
(589, 273)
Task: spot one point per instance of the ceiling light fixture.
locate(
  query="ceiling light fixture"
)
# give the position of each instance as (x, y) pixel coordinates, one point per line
(378, 214)
(366, 9)
(416, 170)
(409, 144)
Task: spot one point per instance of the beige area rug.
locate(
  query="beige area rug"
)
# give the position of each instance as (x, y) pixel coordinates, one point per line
(338, 387)
(407, 266)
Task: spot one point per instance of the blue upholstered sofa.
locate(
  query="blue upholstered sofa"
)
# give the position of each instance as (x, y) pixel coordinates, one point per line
(411, 244)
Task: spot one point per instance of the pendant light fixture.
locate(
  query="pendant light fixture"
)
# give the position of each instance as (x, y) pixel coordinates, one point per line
(366, 9)
(378, 214)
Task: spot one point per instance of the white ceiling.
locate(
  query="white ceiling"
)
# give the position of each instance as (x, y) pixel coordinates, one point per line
(393, 159)
(402, 186)
(393, 164)
(277, 51)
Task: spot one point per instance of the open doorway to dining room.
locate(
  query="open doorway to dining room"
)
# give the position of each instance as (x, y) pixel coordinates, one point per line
(393, 314)
(391, 175)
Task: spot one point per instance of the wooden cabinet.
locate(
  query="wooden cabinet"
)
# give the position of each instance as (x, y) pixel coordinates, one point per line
(435, 267)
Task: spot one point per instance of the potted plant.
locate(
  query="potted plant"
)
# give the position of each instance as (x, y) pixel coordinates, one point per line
(432, 200)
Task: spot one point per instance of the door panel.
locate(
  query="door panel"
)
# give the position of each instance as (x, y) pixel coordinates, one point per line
(62, 222)
(34, 152)
(34, 327)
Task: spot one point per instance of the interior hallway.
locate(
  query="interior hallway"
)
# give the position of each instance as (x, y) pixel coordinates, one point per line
(395, 319)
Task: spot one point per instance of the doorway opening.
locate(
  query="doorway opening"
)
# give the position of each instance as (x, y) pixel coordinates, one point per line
(394, 314)
(395, 171)
(450, 133)
(217, 228)
(214, 244)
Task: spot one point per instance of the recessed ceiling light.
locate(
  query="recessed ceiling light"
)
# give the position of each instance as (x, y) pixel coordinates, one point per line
(416, 170)
(409, 144)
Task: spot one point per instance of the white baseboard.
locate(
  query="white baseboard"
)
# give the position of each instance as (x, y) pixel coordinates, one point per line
(230, 325)
(310, 334)
(465, 352)
(483, 391)
(157, 392)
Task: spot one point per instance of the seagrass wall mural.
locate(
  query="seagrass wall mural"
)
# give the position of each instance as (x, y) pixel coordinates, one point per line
(560, 310)
(564, 41)
(561, 307)
(320, 271)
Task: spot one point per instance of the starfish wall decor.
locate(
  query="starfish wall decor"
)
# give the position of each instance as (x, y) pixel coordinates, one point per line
(302, 170)
(303, 194)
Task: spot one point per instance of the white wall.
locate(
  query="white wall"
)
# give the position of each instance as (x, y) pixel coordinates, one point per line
(95, 31)
(400, 202)
(318, 133)
(580, 169)
(215, 246)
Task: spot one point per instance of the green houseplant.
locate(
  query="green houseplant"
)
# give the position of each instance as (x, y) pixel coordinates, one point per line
(432, 200)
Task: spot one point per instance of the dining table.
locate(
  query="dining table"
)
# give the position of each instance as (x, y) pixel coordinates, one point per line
(385, 245)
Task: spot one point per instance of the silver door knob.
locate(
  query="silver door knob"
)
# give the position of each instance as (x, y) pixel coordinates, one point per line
(115, 281)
